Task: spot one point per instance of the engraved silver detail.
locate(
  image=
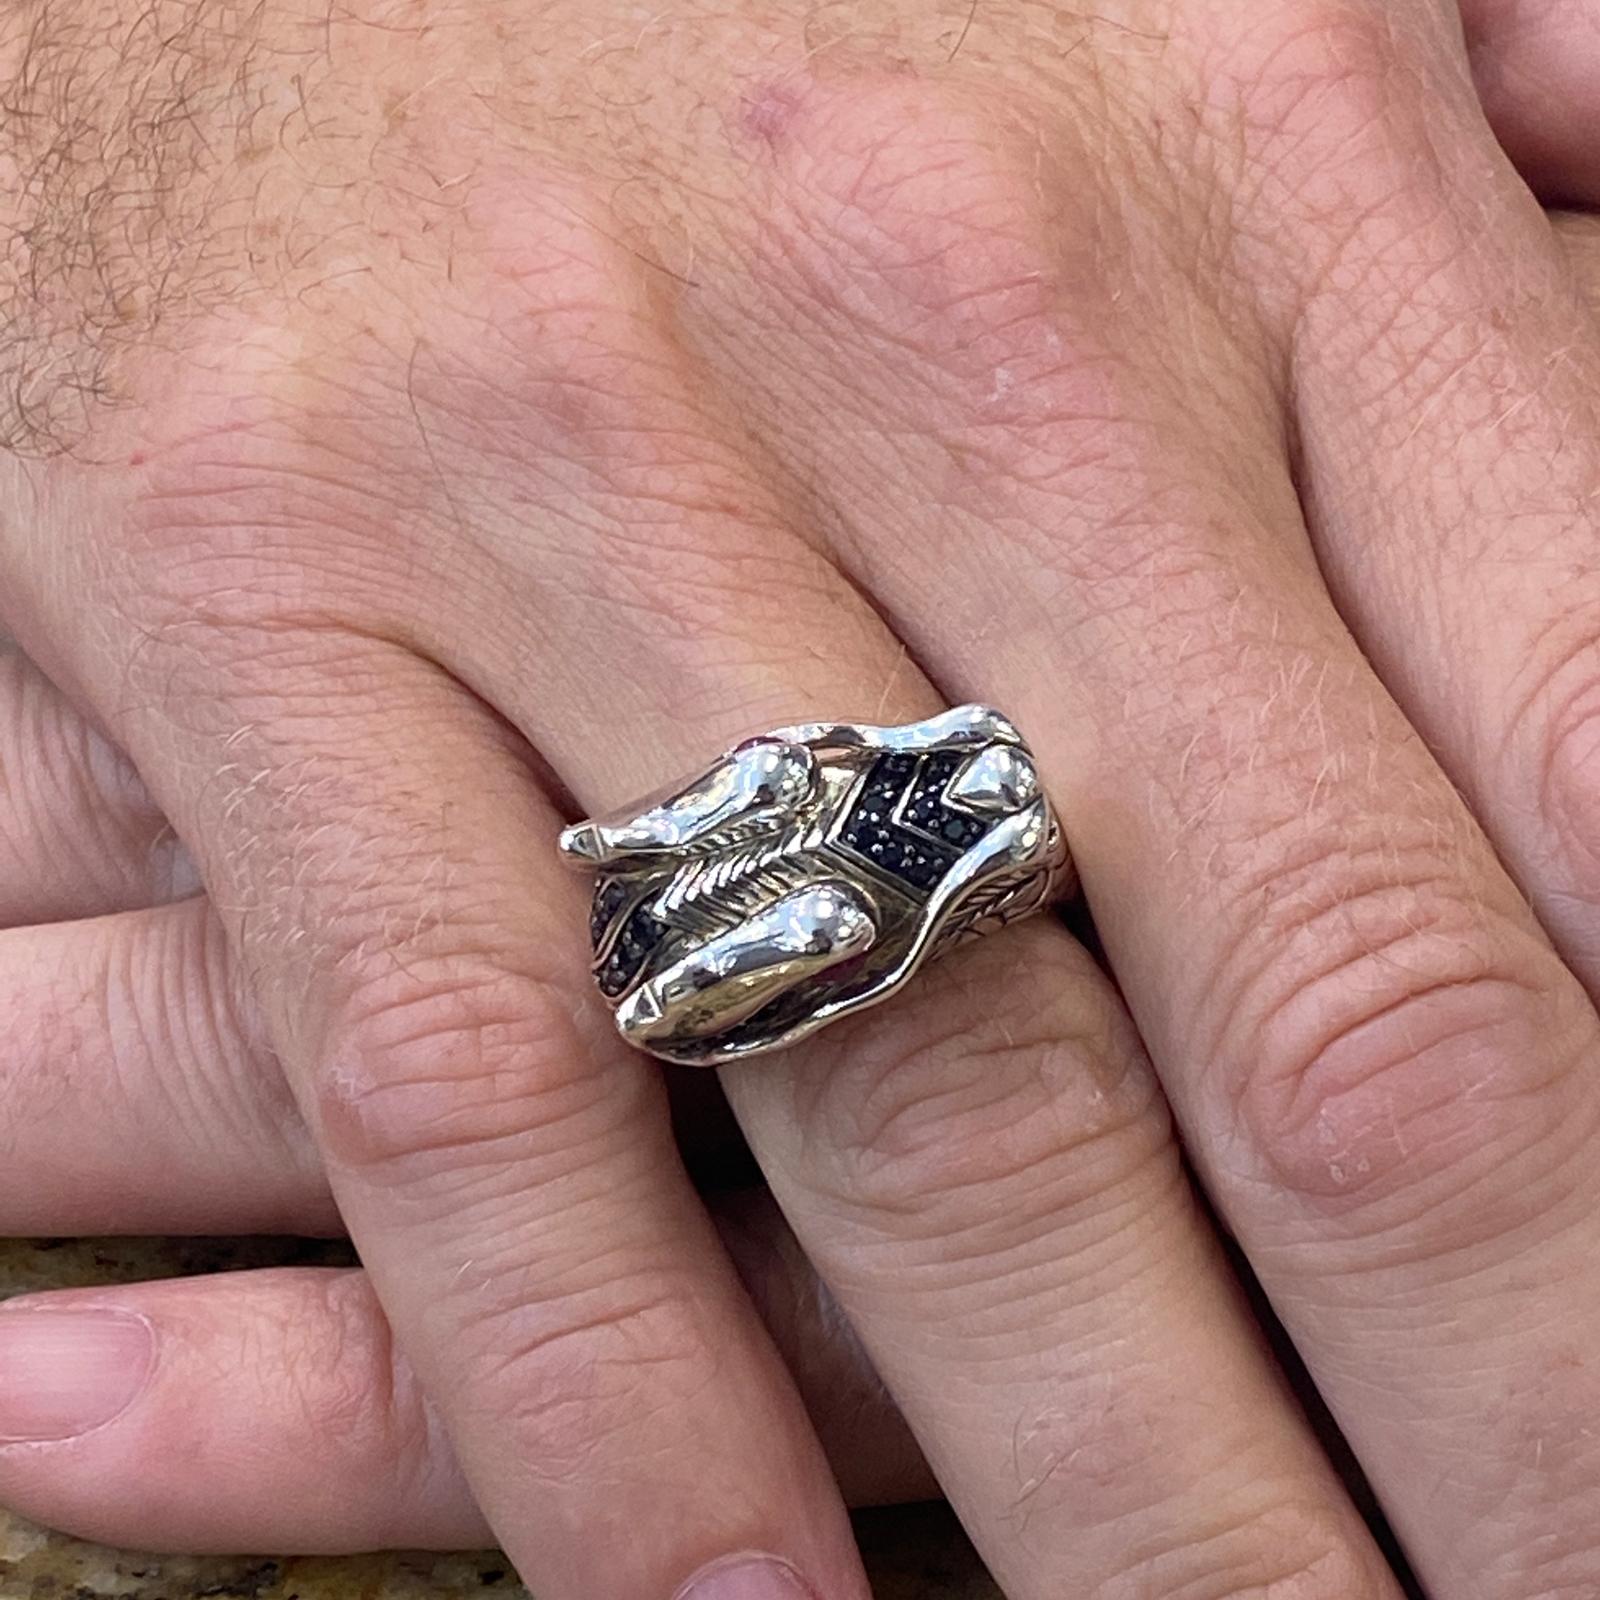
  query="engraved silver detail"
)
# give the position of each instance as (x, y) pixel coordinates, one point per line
(808, 874)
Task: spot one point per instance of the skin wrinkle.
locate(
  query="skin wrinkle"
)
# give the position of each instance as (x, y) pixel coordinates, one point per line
(219, 1016)
(990, 1259)
(990, 1292)
(459, 1068)
(1047, 1053)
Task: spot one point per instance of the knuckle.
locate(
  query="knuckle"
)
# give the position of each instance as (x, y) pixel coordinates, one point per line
(1347, 63)
(1039, 1101)
(576, 1374)
(1391, 1043)
(1339, 106)
(951, 260)
(1320, 42)
(541, 372)
(462, 1071)
(348, 1374)
(927, 219)
(600, 413)
(269, 487)
(1119, 1442)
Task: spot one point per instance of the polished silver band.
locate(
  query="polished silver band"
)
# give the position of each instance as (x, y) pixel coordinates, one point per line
(809, 874)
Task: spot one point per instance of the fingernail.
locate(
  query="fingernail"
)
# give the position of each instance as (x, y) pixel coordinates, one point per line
(64, 1373)
(747, 1578)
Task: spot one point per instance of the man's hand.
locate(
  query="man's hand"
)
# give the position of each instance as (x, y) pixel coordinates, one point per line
(396, 398)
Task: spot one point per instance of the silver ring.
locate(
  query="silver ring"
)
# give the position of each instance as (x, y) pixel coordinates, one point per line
(809, 874)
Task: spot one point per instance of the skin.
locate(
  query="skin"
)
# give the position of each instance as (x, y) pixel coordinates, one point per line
(396, 400)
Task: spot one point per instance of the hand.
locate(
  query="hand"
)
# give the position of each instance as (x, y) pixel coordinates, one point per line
(276, 623)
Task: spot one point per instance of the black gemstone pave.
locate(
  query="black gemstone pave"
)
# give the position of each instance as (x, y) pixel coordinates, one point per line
(926, 812)
(928, 836)
(610, 896)
(639, 935)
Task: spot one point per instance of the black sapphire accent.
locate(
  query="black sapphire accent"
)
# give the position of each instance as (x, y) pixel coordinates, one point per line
(610, 896)
(640, 934)
(926, 812)
(900, 823)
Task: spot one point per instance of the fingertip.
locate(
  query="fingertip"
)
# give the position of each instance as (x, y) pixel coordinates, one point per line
(747, 1577)
(257, 1410)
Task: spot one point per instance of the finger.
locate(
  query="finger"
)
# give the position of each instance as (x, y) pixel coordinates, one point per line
(79, 833)
(271, 1410)
(1378, 1058)
(986, 1180)
(143, 1103)
(1537, 67)
(994, 1195)
(140, 1094)
(1497, 670)
(513, 1190)
(1473, 480)
(994, 1172)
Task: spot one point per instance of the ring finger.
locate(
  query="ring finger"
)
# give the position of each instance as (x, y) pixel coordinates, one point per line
(1380, 1061)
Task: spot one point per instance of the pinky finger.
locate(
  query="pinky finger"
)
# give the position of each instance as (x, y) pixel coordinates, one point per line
(271, 1411)
(137, 1094)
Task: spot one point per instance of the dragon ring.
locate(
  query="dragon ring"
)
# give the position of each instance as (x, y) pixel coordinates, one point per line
(808, 875)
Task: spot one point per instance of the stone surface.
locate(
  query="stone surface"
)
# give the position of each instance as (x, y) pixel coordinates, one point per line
(913, 1553)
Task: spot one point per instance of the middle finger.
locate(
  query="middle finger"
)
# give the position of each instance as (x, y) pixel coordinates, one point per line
(1379, 1058)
